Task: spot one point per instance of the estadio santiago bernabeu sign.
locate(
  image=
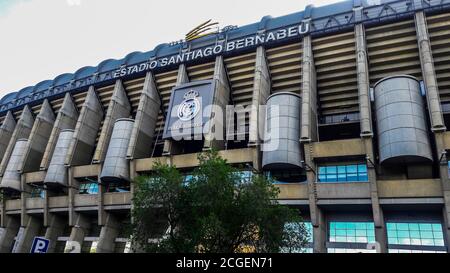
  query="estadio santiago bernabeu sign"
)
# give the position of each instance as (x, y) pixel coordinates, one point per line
(190, 109)
(219, 48)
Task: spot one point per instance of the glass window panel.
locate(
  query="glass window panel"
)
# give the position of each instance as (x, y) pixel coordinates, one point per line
(331, 170)
(437, 227)
(426, 227)
(391, 226)
(352, 177)
(342, 177)
(363, 177)
(402, 226)
(362, 168)
(352, 169)
(414, 234)
(426, 234)
(413, 226)
(403, 234)
(439, 242)
(331, 178)
(322, 170)
(341, 169)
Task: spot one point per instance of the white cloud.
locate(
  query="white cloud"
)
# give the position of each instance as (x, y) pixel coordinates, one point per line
(40, 39)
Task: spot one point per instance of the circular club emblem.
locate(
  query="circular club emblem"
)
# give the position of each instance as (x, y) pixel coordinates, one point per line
(190, 107)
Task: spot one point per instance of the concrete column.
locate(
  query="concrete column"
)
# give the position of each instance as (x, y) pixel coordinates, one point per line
(362, 69)
(145, 123)
(320, 233)
(55, 229)
(8, 231)
(66, 119)
(108, 235)
(22, 130)
(80, 229)
(445, 182)
(88, 124)
(309, 93)
(317, 217)
(119, 107)
(72, 191)
(171, 147)
(261, 91)
(24, 195)
(26, 235)
(100, 203)
(38, 139)
(428, 73)
(215, 139)
(6, 131)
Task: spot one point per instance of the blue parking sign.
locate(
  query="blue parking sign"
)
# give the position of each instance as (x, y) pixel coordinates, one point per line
(40, 245)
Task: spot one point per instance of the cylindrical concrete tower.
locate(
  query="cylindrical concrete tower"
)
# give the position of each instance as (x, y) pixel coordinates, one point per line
(401, 122)
(282, 150)
(11, 178)
(116, 167)
(56, 173)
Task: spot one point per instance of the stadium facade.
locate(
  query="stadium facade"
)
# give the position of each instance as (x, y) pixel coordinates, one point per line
(363, 96)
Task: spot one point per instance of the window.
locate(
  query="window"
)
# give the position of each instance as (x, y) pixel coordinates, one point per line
(350, 237)
(88, 188)
(415, 237)
(118, 187)
(286, 176)
(37, 193)
(343, 173)
(448, 165)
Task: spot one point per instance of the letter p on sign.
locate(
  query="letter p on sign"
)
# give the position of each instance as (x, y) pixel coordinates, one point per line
(40, 245)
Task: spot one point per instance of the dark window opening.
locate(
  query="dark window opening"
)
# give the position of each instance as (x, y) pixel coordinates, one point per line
(287, 176)
(118, 186)
(88, 185)
(339, 131)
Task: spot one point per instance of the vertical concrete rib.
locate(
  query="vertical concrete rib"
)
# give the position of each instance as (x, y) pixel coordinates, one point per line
(119, 107)
(309, 93)
(261, 91)
(362, 67)
(108, 235)
(66, 119)
(38, 139)
(362, 70)
(171, 147)
(83, 141)
(445, 182)
(55, 229)
(308, 134)
(6, 131)
(80, 229)
(434, 108)
(145, 122)
(8, 232)
(215, 137)
(22, 130)
(30, 230)
(428, 73)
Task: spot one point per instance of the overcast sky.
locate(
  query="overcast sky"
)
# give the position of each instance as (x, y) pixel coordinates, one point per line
(41, 39)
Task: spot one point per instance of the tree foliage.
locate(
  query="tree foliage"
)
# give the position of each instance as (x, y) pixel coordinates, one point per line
(214, 212)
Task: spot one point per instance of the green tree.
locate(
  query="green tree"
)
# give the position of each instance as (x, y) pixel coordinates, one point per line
(214, 212)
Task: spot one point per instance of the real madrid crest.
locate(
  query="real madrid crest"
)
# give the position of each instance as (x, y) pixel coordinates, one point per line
(190, 106)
